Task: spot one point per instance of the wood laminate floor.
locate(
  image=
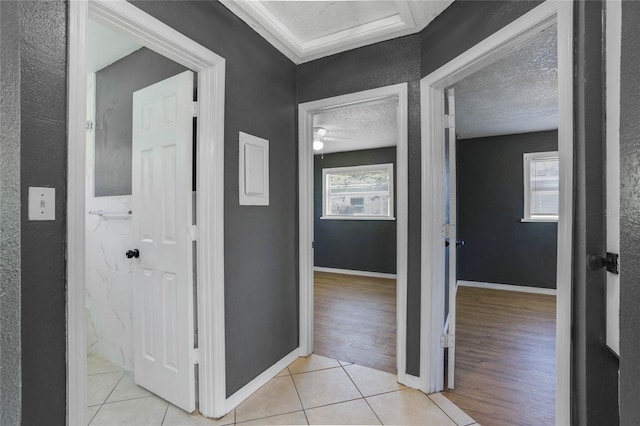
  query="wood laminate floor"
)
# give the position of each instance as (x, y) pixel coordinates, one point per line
(355, 319)
(505, 357)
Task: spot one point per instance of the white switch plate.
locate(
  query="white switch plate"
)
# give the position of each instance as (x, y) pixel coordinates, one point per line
(42, 203)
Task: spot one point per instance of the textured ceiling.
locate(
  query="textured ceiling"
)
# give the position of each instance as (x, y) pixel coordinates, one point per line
(307, 30)
(313, 19)
(518, 94)
(364, 126)
(106, 46)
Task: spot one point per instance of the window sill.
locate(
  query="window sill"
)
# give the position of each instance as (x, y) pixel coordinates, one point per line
(539, 219)
(357, 218)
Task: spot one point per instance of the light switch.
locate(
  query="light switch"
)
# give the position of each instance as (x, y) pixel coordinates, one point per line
(42, 203)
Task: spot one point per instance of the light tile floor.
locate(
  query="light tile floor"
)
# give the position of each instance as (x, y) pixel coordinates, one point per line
(314, 390)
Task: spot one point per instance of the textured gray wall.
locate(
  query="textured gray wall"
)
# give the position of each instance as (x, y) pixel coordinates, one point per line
(407, 59)
(10, 350)
(630, 216)
(500, 248)
(261, 250)
(595, 368)
(391, 62)
(115, 85)
(43, 162)
(359, 245)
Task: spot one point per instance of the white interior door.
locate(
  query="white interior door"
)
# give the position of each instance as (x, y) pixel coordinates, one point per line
(162, 221)
(613, 44)
(452, 234)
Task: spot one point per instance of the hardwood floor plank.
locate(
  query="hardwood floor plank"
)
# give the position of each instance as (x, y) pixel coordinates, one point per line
(355, 319)
(505, 357)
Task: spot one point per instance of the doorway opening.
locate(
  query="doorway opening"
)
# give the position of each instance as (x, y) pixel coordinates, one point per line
(437, 230)
(140, 271)
(502, 176)
(360, 197)
(112, 204)
(355, 234)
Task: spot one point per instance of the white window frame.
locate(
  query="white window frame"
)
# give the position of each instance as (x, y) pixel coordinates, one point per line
(325, 191)
(527, 158)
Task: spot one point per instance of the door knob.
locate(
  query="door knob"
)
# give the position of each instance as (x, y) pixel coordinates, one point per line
(610, 262)
(132, 253)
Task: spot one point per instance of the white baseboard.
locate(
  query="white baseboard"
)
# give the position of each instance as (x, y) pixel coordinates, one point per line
(352, 272)
(412, 381)
(243, 393)
(508, 287)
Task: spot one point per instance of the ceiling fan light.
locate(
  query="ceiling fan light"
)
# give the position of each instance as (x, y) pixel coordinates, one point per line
(317, 145)
(320, 131)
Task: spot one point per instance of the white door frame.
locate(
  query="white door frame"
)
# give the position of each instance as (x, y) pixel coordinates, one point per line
(432, 88)
(306, 112)
(150, 32)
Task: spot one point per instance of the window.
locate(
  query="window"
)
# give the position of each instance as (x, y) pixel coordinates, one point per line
(358, 192)
(541, 186)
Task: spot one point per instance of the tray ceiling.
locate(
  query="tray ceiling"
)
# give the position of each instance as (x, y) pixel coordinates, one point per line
(307, 30)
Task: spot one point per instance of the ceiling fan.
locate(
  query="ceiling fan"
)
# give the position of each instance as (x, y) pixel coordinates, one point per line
(320, 136)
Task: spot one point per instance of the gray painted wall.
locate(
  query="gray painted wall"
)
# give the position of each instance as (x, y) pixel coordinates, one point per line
(43, 162)
(363, 69)
(630, 216)
(115, 85)
(272, 327)
(407, 59)
(359, 245)
(10, 345)
(261, 275)
(499, 247)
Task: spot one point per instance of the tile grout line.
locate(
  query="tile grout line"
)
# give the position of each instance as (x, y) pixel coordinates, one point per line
(299, 399)
(363, 397)
(166, 410)
(114, 388)
(313, 371)
(441, 409)
(132, 399)
(94, 416)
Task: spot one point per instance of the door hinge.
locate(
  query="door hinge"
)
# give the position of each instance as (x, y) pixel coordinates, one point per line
(448, 340)
(194, 357)
(196, 109)
(313, 244)
(449, 121)
(447, 230)
(193, 232)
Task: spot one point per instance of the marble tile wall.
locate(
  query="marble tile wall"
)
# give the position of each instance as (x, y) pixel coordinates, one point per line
(109, 274)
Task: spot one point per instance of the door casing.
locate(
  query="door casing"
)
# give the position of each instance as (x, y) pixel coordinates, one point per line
(159, 37)
(305, 164)
(432, 94)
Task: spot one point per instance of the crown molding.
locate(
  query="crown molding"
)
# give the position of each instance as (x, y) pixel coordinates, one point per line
(265, 23)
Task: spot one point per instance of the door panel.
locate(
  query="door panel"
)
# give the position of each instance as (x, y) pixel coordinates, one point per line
(614, 23)
(162, 218)
(453, 215)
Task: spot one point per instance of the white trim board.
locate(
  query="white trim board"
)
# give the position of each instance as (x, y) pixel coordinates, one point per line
(491, 49)
(353, 272)
(411, 381)
(306, 112)
(243, 393)
(508, 287)
(267, 24)
(130, 21)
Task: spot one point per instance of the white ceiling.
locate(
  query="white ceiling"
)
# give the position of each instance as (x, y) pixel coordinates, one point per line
(364, 126)
(106, 46)
(518, 94)
(307, 30)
